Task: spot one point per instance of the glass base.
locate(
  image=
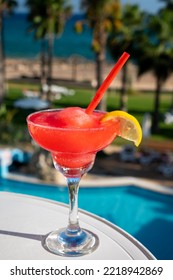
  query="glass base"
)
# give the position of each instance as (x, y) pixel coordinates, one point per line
(69, 243)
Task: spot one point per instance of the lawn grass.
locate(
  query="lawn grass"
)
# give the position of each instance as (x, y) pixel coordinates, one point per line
(138, 105)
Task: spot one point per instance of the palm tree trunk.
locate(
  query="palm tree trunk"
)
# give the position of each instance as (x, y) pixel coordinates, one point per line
(123, 94)
(155, 125)
(2, 65)
(99, 78)
(50, 56)
(43, 77)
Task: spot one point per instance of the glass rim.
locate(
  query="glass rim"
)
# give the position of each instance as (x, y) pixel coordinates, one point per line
(63, 128)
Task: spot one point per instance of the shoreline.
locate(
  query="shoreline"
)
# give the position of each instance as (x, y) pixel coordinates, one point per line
(79, 69)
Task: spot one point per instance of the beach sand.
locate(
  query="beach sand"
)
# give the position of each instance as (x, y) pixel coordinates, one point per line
(79, 69)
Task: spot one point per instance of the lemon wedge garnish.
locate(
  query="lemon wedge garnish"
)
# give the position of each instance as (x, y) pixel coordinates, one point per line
(129, 127)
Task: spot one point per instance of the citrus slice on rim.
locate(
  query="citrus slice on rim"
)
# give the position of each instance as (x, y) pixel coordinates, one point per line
(129, 127)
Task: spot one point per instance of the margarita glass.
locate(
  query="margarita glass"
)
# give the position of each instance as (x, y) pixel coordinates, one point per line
(73, 151)
(74, 136)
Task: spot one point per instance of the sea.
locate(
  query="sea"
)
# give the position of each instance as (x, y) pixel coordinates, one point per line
(20, 43)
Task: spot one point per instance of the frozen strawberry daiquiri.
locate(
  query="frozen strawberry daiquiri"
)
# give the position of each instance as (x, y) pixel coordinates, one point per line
(74, 136)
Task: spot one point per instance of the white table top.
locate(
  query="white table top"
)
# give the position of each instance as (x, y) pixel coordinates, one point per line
(24, 220)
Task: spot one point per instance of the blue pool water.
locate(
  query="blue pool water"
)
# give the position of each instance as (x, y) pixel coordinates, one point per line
(146, 215)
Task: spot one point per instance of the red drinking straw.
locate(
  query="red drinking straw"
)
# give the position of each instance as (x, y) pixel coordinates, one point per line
(99, 94)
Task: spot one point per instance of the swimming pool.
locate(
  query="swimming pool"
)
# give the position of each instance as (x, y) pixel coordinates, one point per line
(146, 215)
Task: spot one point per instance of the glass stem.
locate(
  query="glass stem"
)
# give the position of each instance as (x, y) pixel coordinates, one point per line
(73, 187)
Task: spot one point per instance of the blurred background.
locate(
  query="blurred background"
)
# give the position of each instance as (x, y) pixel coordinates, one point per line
(57, 53)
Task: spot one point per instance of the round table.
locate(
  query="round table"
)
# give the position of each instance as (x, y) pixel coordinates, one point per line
(25, 220)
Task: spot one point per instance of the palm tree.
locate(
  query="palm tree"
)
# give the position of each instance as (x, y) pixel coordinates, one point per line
(5, 6)
(156, 54)
(102, 16)
(124, 40)
(47, 19)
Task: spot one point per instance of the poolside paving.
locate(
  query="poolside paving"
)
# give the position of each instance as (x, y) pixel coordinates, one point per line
(111, 165)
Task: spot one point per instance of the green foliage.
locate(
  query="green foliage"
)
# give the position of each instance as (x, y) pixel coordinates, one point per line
(47, 19)
(149, 40)
(10, 133)
(124, 39)
(6, 116)
(47, 16)
(102, 17)
(6, 6)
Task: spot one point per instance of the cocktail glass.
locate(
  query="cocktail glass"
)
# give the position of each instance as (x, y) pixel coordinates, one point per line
(73, 151)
